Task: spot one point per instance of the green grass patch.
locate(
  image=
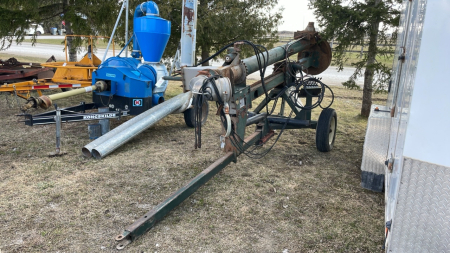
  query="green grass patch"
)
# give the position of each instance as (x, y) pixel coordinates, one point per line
(5, 57)
(100, 43)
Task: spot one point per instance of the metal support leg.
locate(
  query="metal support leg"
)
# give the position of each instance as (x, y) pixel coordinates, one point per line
(15, 94)
(283, 105)
(58, 130)
(104, 122)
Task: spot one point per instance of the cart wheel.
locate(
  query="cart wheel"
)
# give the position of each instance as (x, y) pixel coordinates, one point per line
(189, 116)
(326, 130)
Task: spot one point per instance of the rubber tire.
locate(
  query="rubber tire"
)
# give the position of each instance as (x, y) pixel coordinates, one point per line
(324, 129)
(189, 116)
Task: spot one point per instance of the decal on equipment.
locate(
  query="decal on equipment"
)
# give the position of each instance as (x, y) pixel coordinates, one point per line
(137, 102)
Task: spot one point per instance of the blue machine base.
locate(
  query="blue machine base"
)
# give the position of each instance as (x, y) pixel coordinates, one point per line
(134, 105)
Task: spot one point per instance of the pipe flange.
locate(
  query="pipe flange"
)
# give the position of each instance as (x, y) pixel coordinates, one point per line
(44, 102)
(245, 67)
(325, 55)
(244, 70)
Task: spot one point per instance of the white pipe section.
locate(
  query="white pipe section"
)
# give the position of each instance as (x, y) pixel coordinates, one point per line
(188, 32)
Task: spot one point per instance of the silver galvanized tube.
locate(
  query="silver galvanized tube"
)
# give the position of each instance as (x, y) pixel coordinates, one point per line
(137, 125)
(87, 150)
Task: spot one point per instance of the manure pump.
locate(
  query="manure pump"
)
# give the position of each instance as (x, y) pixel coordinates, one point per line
(129, 85)
(132, 84)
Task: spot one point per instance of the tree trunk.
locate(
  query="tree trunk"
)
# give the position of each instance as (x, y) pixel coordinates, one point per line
(70, 46)
(368, 74)
(205, 47)
(205, 54)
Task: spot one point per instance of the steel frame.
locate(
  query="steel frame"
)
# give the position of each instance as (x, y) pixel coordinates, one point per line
(71, 114)
(264, 131)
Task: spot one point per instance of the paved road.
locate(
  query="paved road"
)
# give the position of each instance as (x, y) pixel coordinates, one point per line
(59, 37)
(331, 76)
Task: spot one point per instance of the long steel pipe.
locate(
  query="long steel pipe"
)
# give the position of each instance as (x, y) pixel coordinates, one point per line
(104, 145)
(276, 54)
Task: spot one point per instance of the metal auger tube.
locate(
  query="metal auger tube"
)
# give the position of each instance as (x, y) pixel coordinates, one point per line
(276, 54)
(125, 132)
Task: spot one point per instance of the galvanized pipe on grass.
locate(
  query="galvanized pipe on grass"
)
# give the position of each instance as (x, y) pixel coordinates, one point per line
(104, 145)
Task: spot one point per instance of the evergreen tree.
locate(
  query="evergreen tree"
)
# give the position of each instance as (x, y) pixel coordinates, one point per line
(356, 23)
(80, 17)
(219, 21)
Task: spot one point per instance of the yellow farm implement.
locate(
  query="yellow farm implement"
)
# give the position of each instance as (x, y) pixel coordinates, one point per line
(67, 74)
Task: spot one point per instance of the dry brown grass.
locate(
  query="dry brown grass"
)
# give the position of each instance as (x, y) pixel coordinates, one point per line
(74, 204)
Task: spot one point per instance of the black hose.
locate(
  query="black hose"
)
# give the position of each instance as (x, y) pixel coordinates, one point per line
(290, 69)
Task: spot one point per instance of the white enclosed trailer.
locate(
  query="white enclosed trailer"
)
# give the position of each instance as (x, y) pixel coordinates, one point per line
(407, 146)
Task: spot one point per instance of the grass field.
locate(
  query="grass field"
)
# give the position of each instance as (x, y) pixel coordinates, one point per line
(5, 57)
(295, 199)
(100, 43)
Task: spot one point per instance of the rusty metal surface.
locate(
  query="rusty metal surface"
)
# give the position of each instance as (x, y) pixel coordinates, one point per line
(12, 70)
(67, 75)
(188, 32)
(8, 71)
(318, 46)
(46, 102)
(269, 135)
(23, 73)
(189, 15)
(325, 56)
(229, 147)
(236, 71)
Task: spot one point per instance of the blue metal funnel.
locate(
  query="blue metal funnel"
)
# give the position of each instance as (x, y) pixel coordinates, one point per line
(151, 34)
